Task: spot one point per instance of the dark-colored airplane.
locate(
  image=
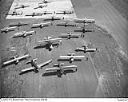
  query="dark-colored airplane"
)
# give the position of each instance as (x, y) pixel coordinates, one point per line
(52, 18)
(84, 30)
(65, 12)
(21, 6)
(19, 24)
(14, 13)
(66, 24)
(34, 14)
(41, 6)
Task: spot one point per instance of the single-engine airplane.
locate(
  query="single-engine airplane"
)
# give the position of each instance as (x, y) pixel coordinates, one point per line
(49, 43)
(65, 12)
(84, 30)
(85, 49)
(34, 14)
(23, 34)
(18, 24)
(21, 6)
(41, 6)
(8, 29)
(52, 18)
(66, 24)
(35, 67)
(45, 2)
(41, 25)
(14, 13)
(16, 59)
(61, 69)
(70, 35)
(71, 58)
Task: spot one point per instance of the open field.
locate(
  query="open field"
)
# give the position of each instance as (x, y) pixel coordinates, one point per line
(103, 75)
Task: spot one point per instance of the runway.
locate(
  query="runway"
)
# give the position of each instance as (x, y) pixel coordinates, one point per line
(101, 76)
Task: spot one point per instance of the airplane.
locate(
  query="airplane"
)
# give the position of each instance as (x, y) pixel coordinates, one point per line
(34, 14)
(85, 20)
(35, 67)
(21, 6)
(65, 12)
(41, 6)
(14, 13)
(49, 43)
(23, 34)
(71, 58)
(8, 29)
(41, 25)
(16, 59)
(85, 49)
(66, 24)
(84, 30)
(61, 69)
(45, 2)
(52, 18)
(69, 35)
(18, 24)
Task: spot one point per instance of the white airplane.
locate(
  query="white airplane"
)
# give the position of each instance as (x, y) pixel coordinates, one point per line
(70, 35)
(66, 24)
(48, 43)
(16, 59)
(35, 67)
(14, 13)
(41, 6)
(65, 12)
(61, 69)
(71, 58)
(21, 6)
(23, 34)
(34, 14)
(52, 18)
(41, 25)
(85, 20)
(86, 49)
(18, 24)
(8, 29)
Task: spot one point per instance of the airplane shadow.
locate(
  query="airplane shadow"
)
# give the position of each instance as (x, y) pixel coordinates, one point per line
(57, 73)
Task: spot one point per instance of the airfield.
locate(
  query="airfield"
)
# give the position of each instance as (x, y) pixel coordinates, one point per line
(104, 74)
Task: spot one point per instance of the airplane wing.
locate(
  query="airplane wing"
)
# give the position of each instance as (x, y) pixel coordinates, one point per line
(45, 63)
(69, 67)
(22, 57)
(27, 69)
(10, 61)
(53, 69)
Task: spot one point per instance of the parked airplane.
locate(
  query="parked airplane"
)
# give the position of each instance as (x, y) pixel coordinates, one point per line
(41, 6)
(71, 58)
(45, 2)
(61, 69)
(16, 59)
(85, 49)
(21, 6)
(14, 13)
(23, 34)
(52, 18)
(18, 24)
(41, 25)
(35, 67)
(34, 14)
(8, 29)
(69, 35)
(48, 43)
(65, 12)
(84, 30)
(66, 24)
(85, 20)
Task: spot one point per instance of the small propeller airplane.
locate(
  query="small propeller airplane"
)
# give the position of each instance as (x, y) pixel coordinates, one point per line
(70, 35)
(41, 25)
(34, 14)
(66, 24)
(41, 6)
(52, 18)
(49, 43)
(84, 30)
(18, 24)
(35, 67)
(8, 29)
(21, 6)
(85, 49)
(16, 59)
(14, 13)
(23, 34)
(85, 20)
(65, 12)
(61, 69)
(45, 2)
(71, 58)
